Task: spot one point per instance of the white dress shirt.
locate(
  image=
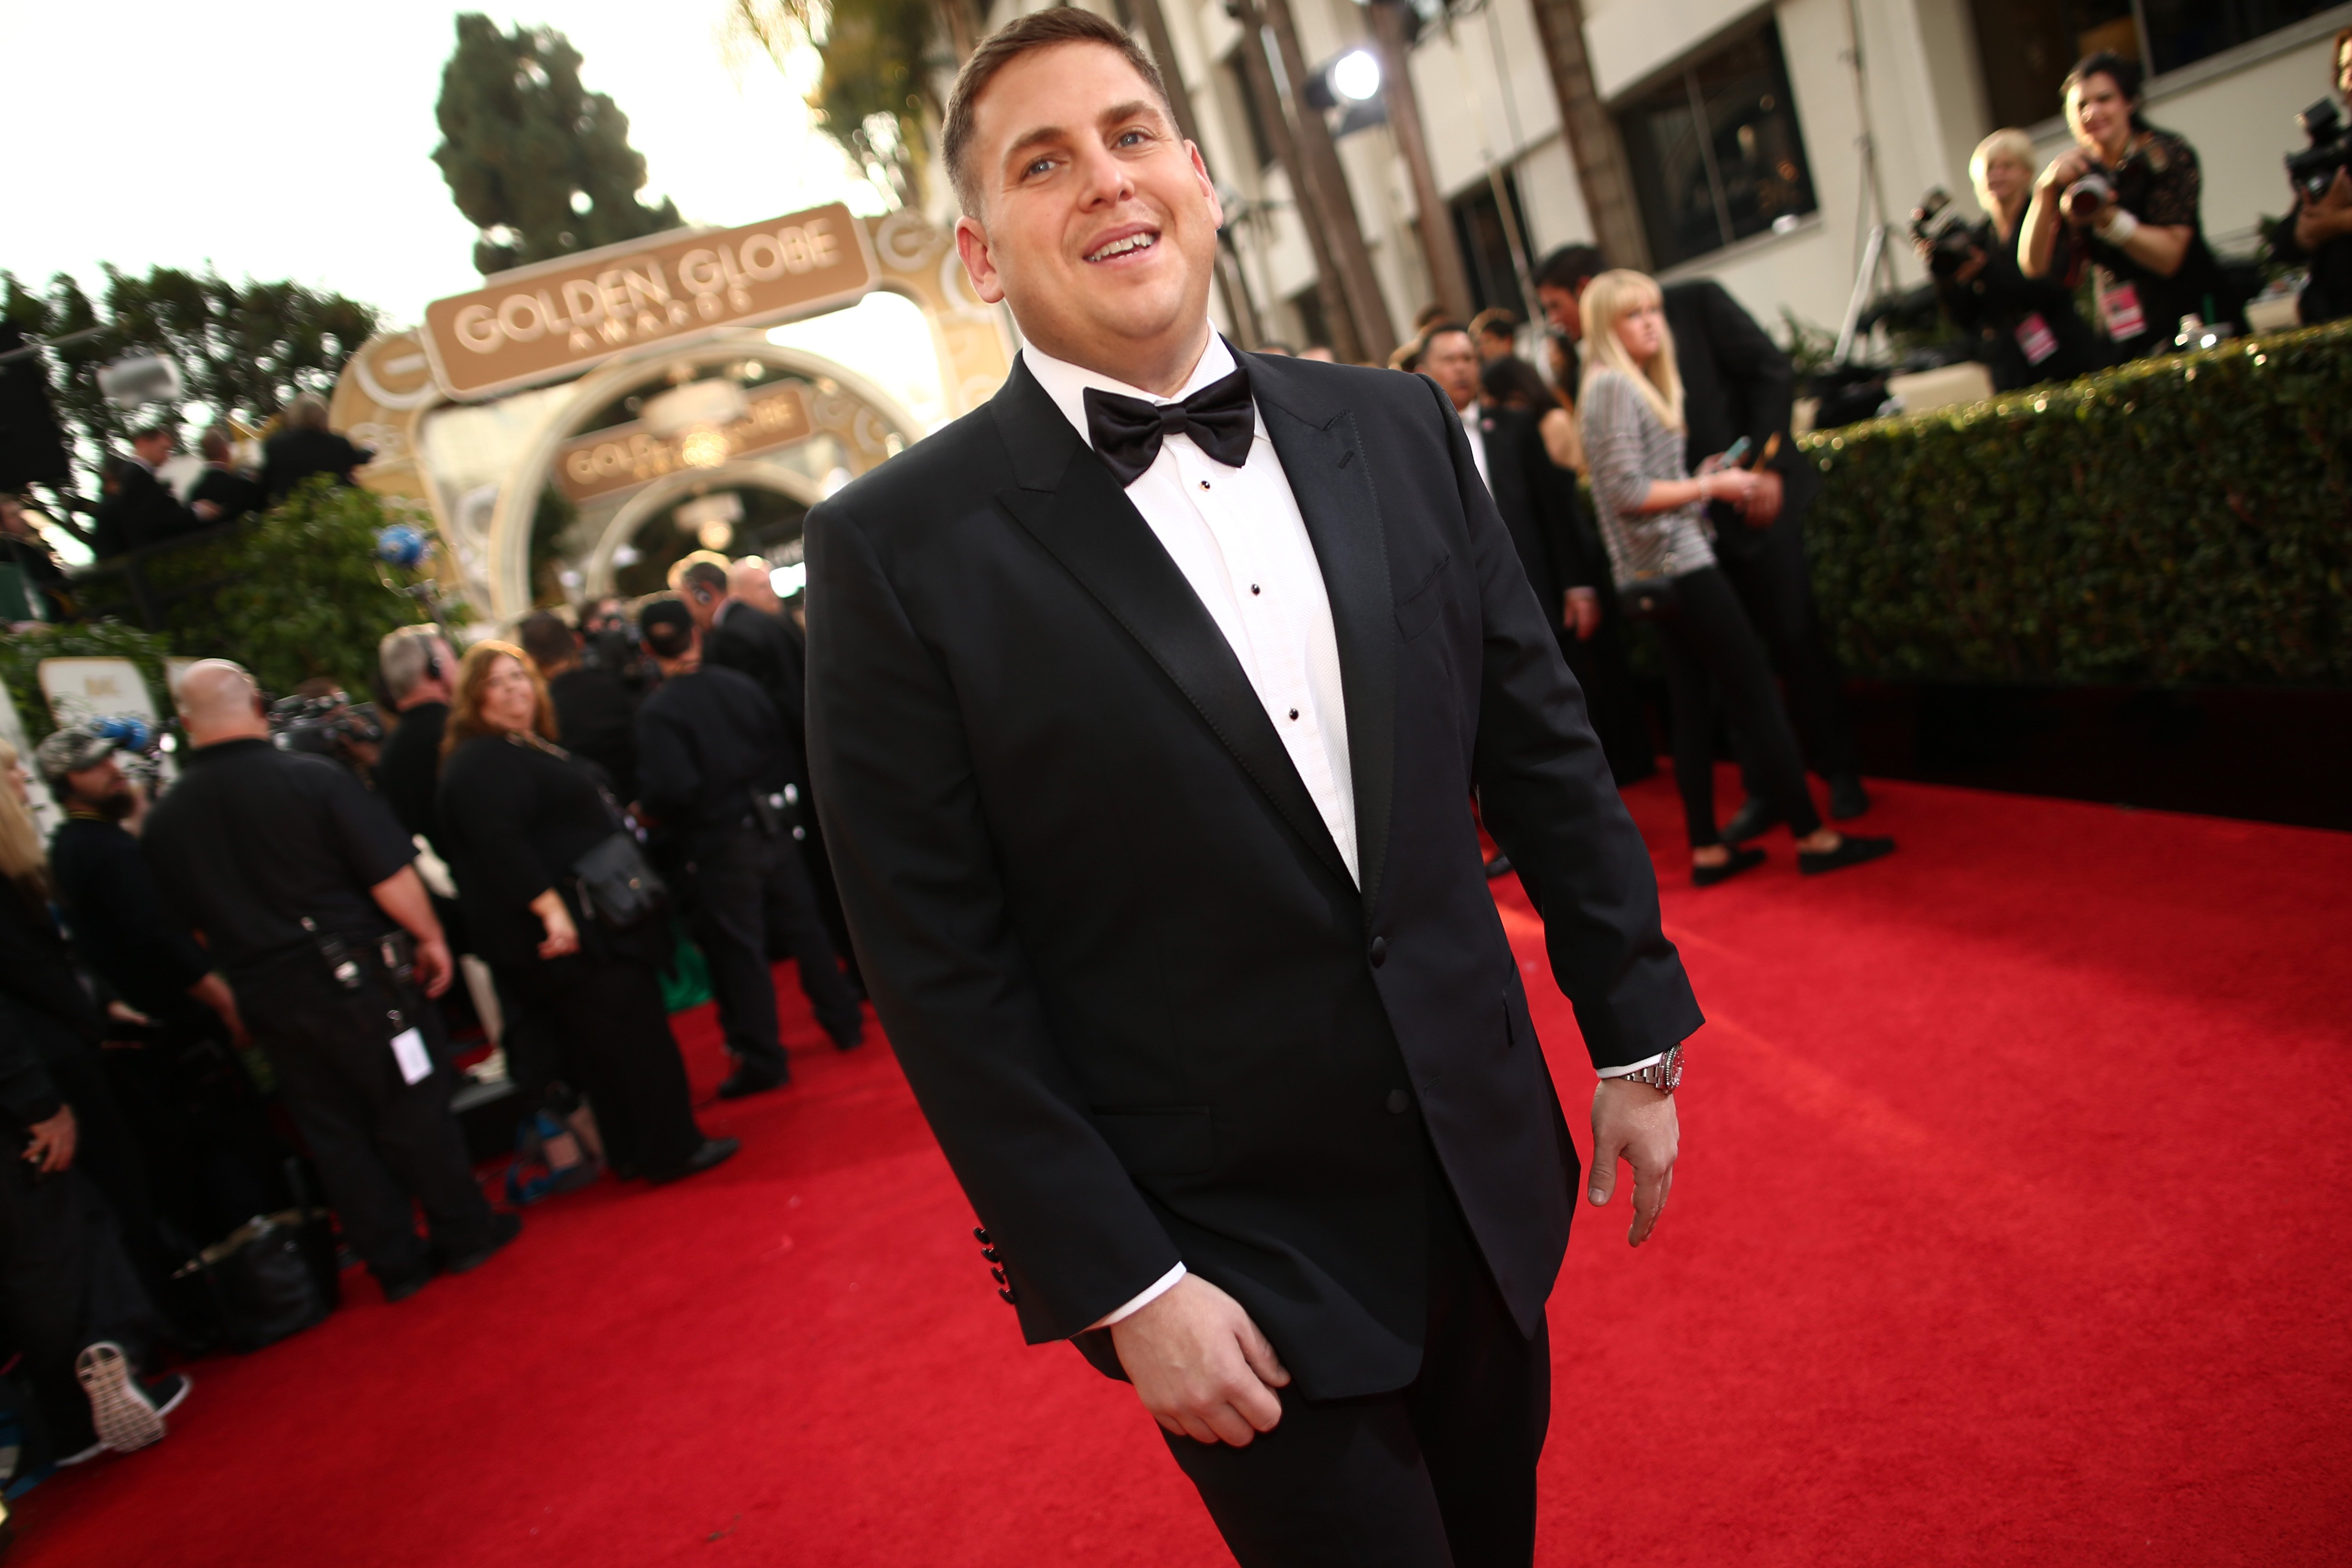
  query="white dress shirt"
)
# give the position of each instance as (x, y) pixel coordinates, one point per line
(1471, 419)
(1238, 537)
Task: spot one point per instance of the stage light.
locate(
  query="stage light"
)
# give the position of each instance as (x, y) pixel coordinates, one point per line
(1356, 74)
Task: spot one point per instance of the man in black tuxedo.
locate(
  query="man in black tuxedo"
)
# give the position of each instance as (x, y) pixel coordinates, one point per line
(303, 449)
(1737, 382)
(141, 508)
(1565, 563)
(1145, 732)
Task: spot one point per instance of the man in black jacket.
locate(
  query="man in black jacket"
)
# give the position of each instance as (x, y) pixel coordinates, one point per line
(1145, 703)
(1565, 563)
(1736, 382)
(141, 509)
(300, 882)
(595, 710)
(303, 449)
(223, 496)
(715, 772)
(736, 635)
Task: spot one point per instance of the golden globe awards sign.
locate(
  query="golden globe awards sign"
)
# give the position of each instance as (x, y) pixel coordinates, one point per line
(557, 318)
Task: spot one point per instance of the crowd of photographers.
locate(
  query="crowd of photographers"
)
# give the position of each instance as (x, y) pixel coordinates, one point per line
(234, 1005)
(2114, 222)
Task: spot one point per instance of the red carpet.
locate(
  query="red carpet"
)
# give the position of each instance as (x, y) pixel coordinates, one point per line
(2011, 1227)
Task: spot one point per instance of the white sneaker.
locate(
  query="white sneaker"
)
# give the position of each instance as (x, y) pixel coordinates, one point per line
(125, 1417)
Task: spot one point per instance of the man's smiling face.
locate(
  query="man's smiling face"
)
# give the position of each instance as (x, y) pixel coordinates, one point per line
(1096, 222)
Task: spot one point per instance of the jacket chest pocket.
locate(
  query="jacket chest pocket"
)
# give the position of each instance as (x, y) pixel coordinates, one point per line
(1174, 1142)
(1418, 610)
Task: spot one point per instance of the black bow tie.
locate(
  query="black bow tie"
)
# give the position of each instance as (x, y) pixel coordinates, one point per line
(1126, 431)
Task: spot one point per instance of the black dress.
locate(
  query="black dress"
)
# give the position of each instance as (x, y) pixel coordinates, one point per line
(517, 815)
(2159, 182)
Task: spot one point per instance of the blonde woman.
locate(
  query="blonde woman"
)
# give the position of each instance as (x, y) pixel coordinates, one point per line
(1652, 519)
(2025, 329)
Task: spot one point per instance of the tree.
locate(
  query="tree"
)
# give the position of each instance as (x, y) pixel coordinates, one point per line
(539, 164)
(879, 97)
(244, 350)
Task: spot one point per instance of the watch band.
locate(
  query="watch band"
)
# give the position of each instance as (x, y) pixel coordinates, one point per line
(1662, 1075)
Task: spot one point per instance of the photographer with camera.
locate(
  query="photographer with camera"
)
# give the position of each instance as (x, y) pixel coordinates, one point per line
(2318, 229)
(2129, 193)
(2024, 329)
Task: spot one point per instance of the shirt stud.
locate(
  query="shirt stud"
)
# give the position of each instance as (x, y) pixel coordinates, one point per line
(1255, 589)
(1204, 484)
(1293, 713)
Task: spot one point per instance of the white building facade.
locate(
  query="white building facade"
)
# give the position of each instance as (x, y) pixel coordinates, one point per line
(1738, 129)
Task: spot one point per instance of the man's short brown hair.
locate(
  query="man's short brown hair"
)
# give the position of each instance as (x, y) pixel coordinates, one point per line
(1024, 35)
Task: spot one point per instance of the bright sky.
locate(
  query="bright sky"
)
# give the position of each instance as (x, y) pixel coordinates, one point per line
(280, 140)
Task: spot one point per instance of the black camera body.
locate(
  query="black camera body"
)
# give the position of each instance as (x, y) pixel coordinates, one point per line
(2313, 169)
(324, 726)
(2087, 197)
(1943, 232)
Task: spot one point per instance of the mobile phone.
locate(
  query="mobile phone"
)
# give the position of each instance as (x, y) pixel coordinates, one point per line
(1737, 454)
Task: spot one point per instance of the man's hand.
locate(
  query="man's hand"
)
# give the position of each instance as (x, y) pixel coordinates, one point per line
(1580, 612)
(562, 936)
(1763, 504)
(435, 967)
(1636, 1123)
(1200, 1365)
(52, 1146)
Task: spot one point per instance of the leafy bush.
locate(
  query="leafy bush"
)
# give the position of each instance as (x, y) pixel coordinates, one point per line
(23, 648)
(301, 593)
(2180, 520)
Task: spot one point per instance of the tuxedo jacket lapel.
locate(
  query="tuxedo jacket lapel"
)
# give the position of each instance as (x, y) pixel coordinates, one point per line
(1322, 455)
(1068, 501)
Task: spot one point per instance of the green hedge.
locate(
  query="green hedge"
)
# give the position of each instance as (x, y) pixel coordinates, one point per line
(2176, 520)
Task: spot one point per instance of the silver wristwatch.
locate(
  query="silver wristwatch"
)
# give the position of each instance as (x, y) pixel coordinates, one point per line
(1662, 1074)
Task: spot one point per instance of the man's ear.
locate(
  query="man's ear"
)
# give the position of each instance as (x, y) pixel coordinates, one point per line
(1207, 185)
(979, 263)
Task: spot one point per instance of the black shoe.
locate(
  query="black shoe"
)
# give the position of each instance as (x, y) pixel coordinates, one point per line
(1741, 860)
(1848, 799)
(714, 1152)
(743, 1081)
(850, 1038)
(1500, 866)
(407, 1285)
(1852, 852)
(504, 1227)
(1749, 821)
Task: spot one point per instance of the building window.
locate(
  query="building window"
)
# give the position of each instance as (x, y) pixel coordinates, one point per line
(1485, 247)
(2027, 47)
(1716, 149)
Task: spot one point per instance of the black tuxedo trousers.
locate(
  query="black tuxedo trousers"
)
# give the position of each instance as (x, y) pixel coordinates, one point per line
(1145, 1007)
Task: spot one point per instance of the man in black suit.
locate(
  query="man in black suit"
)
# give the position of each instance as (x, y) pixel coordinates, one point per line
(738, 635)
(141, 509)
(716, 772)
(303, 449)
(1145, 703)
(1737, 382)
(1562, 554)
(595, 710)
(222, 494)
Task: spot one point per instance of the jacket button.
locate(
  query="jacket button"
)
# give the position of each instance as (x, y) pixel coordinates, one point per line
(1380, 950)
(1010, 1299)
(1399, 1102)
(980, 1235)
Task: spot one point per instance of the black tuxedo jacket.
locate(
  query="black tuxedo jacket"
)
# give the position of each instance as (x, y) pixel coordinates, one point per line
(1147, 1012)
(1536, 499)
(141, 510)
(1737, 382)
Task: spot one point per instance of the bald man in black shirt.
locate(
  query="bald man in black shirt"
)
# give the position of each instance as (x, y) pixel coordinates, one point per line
(298, 881)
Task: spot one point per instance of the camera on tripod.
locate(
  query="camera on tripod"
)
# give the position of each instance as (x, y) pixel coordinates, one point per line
(2313, 169)
(1942, 233)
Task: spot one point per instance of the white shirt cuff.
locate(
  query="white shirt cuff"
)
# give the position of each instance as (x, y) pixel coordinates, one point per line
(1152, 1292)
(1609, 1072)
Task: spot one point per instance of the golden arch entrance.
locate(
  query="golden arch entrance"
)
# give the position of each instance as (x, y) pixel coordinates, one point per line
(527, 480)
